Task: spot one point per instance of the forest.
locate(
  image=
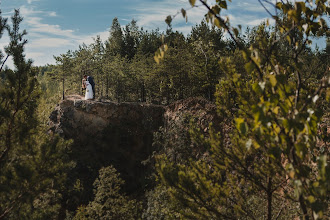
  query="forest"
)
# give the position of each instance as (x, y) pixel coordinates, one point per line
(268, 158)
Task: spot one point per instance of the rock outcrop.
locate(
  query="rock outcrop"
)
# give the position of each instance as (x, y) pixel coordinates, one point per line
(81, 119)
(120, 134)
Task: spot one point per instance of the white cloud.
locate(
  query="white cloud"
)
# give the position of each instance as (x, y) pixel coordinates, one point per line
(34, 55)
(48, 42)
(52, 14)
(245, 13)
(258, 21)
(43, 39)
(151, 16)
(88, 39)
(33, 19)
(31, 1)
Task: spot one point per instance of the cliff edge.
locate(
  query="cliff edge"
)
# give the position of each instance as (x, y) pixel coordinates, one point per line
(120, 134)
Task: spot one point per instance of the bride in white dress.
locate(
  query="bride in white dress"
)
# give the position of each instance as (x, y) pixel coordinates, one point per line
(89, 91)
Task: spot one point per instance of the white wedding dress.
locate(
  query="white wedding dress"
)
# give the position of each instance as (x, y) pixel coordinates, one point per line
(89, 91)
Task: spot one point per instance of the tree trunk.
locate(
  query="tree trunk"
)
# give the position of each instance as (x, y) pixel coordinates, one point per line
(303, 207)
(143, 93)
(107, 88)
(269, 198)
(63, 89)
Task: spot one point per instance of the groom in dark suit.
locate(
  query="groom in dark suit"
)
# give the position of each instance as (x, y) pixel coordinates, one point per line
(91, 81)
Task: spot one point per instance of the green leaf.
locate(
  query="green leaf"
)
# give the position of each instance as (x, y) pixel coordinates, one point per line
(217, 23)
(156, 59)
(223, 4)
(288, 39)
(241, 125)
(286, 124)
(236, 32)
(311, 199)
(301, 6)
(216, 9)
(272, 80)
(168, 20)
(256, 88)
(183, 12)
(192, 2)
(165, 47)
(301, 149)
(276, 110)
(249, 67)
(256, 145)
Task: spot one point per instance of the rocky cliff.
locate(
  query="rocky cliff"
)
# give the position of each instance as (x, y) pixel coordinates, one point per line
(121, 134)
(82, 119)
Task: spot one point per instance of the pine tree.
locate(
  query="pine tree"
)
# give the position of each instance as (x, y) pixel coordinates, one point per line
(131, 39)
(3, 26)
(64, 72)
(32, 163)
(109, 201)
(115, 43)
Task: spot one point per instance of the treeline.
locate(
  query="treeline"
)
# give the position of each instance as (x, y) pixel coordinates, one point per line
(124, 68)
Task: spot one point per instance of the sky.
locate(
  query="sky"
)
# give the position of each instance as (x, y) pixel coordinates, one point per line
(56, 26)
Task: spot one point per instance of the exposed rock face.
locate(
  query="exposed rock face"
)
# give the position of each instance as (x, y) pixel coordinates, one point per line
(201, 109)
(107, 133)
(84, 119)
(121, 134)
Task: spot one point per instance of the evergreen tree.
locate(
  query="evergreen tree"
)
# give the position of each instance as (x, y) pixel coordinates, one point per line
(109, 201)
(32, 163)
(131, 39)
(64, 71)
(97, 50)
(3, 26)
(149, 42)
(115, 43)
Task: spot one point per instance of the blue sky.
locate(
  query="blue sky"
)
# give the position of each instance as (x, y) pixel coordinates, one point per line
(55, 26)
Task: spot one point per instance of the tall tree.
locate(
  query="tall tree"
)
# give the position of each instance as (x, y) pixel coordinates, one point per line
(64, 71)
(131, 39)
(115, 43)
(97, 50)
(109, 201)
(149, 42)
(3, 26)
(30, 161)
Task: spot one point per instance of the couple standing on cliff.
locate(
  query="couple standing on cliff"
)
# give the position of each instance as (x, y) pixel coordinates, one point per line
(89, 86)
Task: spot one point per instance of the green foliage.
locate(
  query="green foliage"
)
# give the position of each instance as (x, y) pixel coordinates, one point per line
(109, 201)
(273, 159)
(115, 44)
(159, 205)
(50, 94)
(32, 163)
(123, 66)
(175, 140)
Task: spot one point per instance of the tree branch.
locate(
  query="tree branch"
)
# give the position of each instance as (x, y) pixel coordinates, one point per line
(238, 44)
(4, 62)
